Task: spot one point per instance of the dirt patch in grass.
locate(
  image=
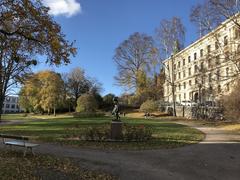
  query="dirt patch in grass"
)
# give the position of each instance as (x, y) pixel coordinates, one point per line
(14, 166)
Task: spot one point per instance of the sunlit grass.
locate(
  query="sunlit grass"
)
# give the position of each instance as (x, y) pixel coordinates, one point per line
(66, 131)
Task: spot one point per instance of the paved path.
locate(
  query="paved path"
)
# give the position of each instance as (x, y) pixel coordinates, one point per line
(214, 158)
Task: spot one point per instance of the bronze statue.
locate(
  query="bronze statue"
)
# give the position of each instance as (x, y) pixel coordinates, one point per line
(115, 111)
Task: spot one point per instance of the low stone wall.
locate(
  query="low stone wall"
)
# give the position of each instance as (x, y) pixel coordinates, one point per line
(199, 112)
(184, 111)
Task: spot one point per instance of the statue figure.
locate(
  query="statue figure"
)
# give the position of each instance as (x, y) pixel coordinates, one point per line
(115, 111)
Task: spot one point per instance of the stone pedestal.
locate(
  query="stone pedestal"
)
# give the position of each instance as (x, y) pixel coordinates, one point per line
(116, 130)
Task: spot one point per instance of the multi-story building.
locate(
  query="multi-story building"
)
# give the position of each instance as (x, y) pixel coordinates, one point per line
(11, 105)
(207, 68)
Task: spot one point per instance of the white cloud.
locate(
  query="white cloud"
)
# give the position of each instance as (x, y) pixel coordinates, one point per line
(63, 7)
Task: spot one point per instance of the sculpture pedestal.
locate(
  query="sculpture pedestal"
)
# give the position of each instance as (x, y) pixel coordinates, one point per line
(116, 130)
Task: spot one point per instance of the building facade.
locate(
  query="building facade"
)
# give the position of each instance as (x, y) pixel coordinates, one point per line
(206, 69)
(11, 105)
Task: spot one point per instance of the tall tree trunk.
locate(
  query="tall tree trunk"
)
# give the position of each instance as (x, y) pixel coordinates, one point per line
(173, 89)
(54, 111)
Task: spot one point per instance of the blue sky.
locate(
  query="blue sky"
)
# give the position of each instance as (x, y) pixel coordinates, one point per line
(99, 26)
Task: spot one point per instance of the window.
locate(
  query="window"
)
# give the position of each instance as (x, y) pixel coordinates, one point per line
(13, 106)
(209, 77)
(225, 41)
(219, 88)
(218, 75)
(201, 53)
(184, 74)
(190, 82)
(189, 72)
(184, 95)
(226, 56)
(217, 60)
(179, 64)
(179, 96)
(238, 49)
(209, 48)
(195, 56)
(196, 81)
(216, 45)
(209, 63)
(179, 87)
(174, 66)
(8, 99)
(184, 85)
(195, 69)
(210, 90)
(190, 95)
(174, 77)
(202, 66)
(236, 33)
(167, 67)
(189, 59)
(227, 87)
(183, 62)
(7, 105)
(179, 75)
(227, 72)
(203, 80)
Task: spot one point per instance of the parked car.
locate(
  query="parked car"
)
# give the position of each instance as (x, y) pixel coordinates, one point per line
(210, 103)
(188, 103)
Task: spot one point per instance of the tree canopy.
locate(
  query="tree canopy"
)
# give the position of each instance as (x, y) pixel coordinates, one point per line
(43, 91)
(27, 31)
(135, 55)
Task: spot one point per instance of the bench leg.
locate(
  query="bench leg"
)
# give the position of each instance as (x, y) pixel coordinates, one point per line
(25, 151)
(32, 151)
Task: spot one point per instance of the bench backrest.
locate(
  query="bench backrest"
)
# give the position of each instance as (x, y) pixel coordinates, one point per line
(14, 137)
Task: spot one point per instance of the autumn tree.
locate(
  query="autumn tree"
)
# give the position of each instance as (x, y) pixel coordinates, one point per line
(51, 92)
(211, 13)
(149, 106)
(108, 101)
(78, 83)
(43, 91)
(134, 57)
(86, 103)
(27, 31)
(170, 36)
(231, 103)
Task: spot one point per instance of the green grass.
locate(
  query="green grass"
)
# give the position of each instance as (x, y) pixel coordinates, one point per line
(14, 166)
(66, 130)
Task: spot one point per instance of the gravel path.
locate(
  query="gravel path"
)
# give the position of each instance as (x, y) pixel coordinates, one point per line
(217, 157)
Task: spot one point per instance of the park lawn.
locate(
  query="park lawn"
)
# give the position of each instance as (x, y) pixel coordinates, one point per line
(67, 131)
(14, 166)
(24, 116)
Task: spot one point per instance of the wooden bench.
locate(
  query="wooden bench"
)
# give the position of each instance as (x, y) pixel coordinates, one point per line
(20, 141)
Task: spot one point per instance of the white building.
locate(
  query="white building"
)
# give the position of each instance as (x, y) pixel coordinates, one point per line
(206, 69)
(11, 105)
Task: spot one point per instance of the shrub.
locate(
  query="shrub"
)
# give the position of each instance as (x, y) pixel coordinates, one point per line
(86, 103)
(88, 114)
(96, 133)
(231, 103)
(130, 133)
(149, 106)
(137, 133)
